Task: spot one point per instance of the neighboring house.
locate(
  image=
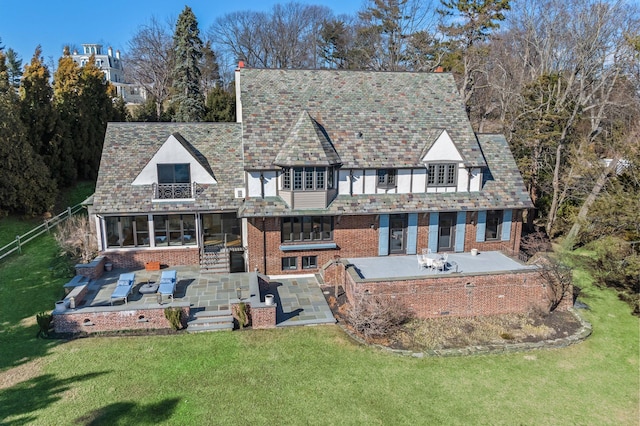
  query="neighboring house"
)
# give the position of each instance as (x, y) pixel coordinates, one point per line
(320, 164)
(113, 70)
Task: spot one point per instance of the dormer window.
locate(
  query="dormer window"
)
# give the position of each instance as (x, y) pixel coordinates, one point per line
(386, 178)
(442, 174)
(174, 181)
(307, 178)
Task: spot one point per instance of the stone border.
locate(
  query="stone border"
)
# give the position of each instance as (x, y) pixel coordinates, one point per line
(497, 348)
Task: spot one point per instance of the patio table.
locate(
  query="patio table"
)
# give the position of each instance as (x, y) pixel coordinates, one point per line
(148, 288)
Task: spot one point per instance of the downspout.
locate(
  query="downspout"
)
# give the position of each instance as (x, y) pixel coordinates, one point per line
(469, 174)
(262, 185)
(351, 182)
(264, 246)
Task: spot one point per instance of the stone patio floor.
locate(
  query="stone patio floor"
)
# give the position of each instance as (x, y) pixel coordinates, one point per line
(299, 299)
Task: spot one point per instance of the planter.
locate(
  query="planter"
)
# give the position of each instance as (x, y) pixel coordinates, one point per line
(474, 252)
(61, 306)
(152, 266)
(108, 267)
(268, 300)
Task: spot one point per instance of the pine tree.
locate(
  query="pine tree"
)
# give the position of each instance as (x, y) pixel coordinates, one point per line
(26, 184)
(221, 105)
(187, 96)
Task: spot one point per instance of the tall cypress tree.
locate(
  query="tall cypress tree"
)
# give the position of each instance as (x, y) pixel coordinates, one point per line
(26, 184)
(187, 96)
(37, 111)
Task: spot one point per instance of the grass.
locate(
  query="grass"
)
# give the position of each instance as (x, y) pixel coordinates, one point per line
(11, 226)
(313, 375)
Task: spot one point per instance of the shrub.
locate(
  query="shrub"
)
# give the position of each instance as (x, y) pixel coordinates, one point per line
(377, 316)
(174, 316)
(241, 314)
(44, 320)
(558, 277)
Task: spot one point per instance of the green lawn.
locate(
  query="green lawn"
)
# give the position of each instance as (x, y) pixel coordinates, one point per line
(312, 375)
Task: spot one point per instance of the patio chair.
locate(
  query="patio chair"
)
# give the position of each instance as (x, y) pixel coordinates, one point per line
(168, 283)
(123, 287)
(425, 262)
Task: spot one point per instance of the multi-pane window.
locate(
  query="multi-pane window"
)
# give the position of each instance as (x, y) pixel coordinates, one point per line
(386, 178)
(307, 178)
(493, 226)
(309, 262)
(442, 174)
(174, 230)
(307, 228)
(127, 231)
(289, 263)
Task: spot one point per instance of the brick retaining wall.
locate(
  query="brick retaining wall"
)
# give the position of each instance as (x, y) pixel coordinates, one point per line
(105, 319)
(458, 295)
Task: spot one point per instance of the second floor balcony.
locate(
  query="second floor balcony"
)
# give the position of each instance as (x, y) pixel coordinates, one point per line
(174, 191)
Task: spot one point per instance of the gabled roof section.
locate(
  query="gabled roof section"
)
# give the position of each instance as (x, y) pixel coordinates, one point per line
(130, 147)
(373, 119)
(307, 144)
(177, 150)
(442, 149)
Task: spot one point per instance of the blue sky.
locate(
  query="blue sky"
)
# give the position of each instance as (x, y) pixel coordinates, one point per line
(53, 24)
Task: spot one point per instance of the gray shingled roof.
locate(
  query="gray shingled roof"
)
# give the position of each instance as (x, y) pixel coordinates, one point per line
(373, 119)
(503, 190)
(307, 145)
(128, 147)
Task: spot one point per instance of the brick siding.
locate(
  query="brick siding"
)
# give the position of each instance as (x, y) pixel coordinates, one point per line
(135, 259)
(354, 237)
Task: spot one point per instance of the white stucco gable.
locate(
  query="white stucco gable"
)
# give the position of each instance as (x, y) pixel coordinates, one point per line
(173, 152)
(442, 150)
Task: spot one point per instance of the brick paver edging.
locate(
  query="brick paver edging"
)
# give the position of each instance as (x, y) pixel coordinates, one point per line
(497, 348)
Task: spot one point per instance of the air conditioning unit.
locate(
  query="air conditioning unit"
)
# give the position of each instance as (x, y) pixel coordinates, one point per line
(240, 193)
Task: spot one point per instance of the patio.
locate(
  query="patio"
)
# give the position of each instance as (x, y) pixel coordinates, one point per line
(299, 300)
(394, 267)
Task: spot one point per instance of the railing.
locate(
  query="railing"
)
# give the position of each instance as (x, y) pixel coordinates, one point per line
(506, 249)
(16, 245)
(174, 191)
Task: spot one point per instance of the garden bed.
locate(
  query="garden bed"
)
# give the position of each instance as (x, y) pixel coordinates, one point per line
(453, 332)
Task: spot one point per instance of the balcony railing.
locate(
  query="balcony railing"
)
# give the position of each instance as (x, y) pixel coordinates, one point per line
(174, 191)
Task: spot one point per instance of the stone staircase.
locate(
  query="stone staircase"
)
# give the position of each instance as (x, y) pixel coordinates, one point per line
(210, 321)
(215, 261)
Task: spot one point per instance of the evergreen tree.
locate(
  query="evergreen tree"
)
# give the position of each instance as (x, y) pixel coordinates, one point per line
(26, 184)
(221, 105)
(65, 101)
(187, 96)
(14, 68)
(37, 111)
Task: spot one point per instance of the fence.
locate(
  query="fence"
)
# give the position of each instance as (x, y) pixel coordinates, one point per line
(48, 224)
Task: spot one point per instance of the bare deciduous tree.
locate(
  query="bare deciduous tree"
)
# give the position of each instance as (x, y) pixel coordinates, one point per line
(150, 60)
(76, 238)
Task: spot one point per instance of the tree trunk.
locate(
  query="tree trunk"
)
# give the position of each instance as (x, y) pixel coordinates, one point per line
(556, 191)
(588, 202)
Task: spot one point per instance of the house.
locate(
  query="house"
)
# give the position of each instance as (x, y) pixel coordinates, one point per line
(320, 164)
(113, 68)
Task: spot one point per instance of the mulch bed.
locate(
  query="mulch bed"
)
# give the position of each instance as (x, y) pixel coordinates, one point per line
(563, 324)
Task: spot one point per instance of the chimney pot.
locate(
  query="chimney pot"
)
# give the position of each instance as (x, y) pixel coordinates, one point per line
(439, 69)
(240, 64)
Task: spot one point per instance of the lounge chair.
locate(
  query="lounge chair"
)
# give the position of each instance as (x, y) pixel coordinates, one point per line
(123, 287)
(168, 283)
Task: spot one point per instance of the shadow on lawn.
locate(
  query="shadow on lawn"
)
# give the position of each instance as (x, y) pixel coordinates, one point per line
(130, 413)
(20, 345)
(34, 394)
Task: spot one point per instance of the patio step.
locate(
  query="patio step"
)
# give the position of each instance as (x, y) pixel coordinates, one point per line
(210, 321)
(215, 262)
